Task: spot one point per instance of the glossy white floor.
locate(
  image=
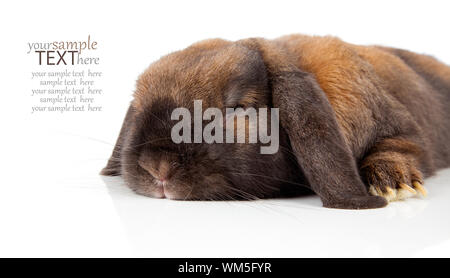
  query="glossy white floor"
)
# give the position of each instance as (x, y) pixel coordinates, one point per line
(55, 204)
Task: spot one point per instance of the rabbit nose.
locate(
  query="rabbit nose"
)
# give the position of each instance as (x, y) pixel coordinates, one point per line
(160, 171)
(160, 180)
(163, 171)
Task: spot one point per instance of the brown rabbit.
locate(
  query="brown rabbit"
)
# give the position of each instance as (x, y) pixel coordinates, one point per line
(360, 125)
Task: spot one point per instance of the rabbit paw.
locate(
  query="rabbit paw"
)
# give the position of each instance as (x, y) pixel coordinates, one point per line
(393, 180)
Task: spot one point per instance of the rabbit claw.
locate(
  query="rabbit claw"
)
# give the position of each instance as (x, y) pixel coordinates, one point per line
(402, 192)
(419, 187)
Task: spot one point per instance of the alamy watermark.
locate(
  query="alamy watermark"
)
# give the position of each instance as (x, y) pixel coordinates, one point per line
(236, 120)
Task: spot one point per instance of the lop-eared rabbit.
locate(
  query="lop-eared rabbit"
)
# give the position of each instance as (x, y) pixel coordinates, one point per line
(359, 125)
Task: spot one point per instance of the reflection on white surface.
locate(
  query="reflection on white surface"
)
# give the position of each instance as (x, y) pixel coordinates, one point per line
(64, 208)
(288, 227)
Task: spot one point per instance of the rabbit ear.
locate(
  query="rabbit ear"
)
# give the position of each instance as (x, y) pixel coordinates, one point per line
(316, 140)
(113, 167)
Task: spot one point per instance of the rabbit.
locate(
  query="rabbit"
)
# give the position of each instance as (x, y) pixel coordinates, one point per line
(360, 126)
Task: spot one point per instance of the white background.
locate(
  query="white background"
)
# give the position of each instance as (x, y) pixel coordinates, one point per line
(53, 203)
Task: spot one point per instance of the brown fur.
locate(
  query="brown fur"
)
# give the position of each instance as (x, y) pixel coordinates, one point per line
(351, 116)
